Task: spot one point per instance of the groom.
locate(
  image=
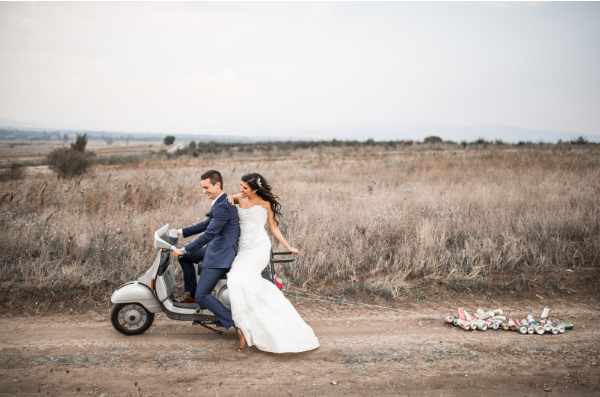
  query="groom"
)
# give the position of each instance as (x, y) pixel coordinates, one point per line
(217, 248)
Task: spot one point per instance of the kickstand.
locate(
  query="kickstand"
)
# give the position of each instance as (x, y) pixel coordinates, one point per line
(207, 327)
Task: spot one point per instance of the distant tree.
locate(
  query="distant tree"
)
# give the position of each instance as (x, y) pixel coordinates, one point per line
(432, 139)
(192, 146)
(169, 139)
(66, 138)
(80, 143)
(109, 141)
(579, 141)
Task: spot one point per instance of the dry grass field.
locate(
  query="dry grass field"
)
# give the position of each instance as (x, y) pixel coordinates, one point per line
(422, 228)
(35, 151)
(389, 224)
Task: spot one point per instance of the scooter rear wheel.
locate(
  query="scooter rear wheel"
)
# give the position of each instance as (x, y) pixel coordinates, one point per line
(131, 318)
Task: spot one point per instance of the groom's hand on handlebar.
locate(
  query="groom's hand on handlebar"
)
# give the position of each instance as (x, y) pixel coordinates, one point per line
(176, 231)
(177, 252)
(294, 251)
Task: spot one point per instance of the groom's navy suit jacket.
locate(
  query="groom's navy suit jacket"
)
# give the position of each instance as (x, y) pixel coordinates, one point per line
(221, 233)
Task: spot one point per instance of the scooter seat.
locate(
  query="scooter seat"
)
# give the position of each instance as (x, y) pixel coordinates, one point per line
(183, 305)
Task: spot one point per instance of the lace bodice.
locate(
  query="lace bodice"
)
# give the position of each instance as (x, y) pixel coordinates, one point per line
(252, 227)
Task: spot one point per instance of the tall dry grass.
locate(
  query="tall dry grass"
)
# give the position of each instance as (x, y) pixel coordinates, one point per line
(375, 220)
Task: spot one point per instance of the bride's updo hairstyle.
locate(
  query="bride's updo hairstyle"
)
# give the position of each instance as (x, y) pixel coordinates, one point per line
(263, 190)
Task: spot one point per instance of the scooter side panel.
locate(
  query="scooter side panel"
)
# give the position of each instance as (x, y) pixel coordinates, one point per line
(136, 292)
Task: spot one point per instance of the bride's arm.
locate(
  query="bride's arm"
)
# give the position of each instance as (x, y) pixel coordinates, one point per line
(234, 199)
(277, 233)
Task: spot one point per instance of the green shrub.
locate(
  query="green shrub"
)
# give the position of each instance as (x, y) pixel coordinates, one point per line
(68, 161)
(14, 172)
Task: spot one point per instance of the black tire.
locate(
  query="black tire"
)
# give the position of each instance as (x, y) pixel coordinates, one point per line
(140, 319)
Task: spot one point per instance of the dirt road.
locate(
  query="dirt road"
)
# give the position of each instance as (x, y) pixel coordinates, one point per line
(364, 352)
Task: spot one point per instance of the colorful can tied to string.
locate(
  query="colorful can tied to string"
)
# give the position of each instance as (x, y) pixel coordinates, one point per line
(505, 326)
(463, 324)
(511, 324)
(530, 319)
(468, 316)
(449, 319)
(545, 313)
(481, 325)
(566, 325)
(461, 314)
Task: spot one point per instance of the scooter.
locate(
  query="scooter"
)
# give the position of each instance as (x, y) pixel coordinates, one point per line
(136, 302)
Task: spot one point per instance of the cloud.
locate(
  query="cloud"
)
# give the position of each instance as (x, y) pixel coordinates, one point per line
(515, 5)
(22, 22)
(224, 83)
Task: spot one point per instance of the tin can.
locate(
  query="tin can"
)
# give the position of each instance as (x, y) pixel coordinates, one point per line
(566, 325)
(481, 325)
(539, 329)
(525, 323)
(461, 314)
(545, 313)
(463, 324)
(468, 317)
(522, 329)
(554, 330)
(530, 330)
(505, 326)
(498, 312)
(511, 324)
(449, 319)
(496, 324)
(530, 319)
(547, 327)
(561, 329)
(484, 315)
(518, 323)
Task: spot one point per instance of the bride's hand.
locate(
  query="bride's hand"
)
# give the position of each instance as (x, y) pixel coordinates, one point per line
(231, 200)
(294, 251)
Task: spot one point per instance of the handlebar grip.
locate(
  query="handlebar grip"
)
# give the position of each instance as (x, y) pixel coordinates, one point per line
(282, 253)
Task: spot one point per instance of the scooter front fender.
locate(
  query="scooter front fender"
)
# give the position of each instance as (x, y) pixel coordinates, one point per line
(136, 292)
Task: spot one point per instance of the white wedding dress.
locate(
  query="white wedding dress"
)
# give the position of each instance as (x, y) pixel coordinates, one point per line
(258, 307)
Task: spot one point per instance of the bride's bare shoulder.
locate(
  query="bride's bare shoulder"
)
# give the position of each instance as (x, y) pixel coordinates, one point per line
(265, 204)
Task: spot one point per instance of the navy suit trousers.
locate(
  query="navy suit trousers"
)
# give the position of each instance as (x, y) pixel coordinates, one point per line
(201, 291)
(208, 279)
(189, 271)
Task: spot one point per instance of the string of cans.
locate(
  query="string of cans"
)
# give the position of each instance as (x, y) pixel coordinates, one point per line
(495, 319)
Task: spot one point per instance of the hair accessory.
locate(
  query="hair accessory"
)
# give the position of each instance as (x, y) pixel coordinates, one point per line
(258, 182)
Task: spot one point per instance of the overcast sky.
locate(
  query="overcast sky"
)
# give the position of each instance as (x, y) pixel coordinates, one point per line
(270, 67)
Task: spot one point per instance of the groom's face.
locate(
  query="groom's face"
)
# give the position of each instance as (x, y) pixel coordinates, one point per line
(212, 191)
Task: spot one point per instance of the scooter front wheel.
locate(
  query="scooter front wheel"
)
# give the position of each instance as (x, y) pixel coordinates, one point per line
(131, 318)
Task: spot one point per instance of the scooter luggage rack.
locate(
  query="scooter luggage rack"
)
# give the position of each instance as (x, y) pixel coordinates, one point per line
(273, 261)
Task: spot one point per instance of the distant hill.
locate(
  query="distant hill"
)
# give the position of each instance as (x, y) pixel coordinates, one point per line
(417, 132)
(357, 131)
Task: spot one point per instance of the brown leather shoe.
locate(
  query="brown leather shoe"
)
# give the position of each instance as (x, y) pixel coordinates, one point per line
(189, 299)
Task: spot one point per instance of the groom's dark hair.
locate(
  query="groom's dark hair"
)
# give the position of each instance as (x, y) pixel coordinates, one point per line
(214, 176)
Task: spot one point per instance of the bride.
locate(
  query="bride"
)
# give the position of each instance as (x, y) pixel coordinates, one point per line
(259, 309)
